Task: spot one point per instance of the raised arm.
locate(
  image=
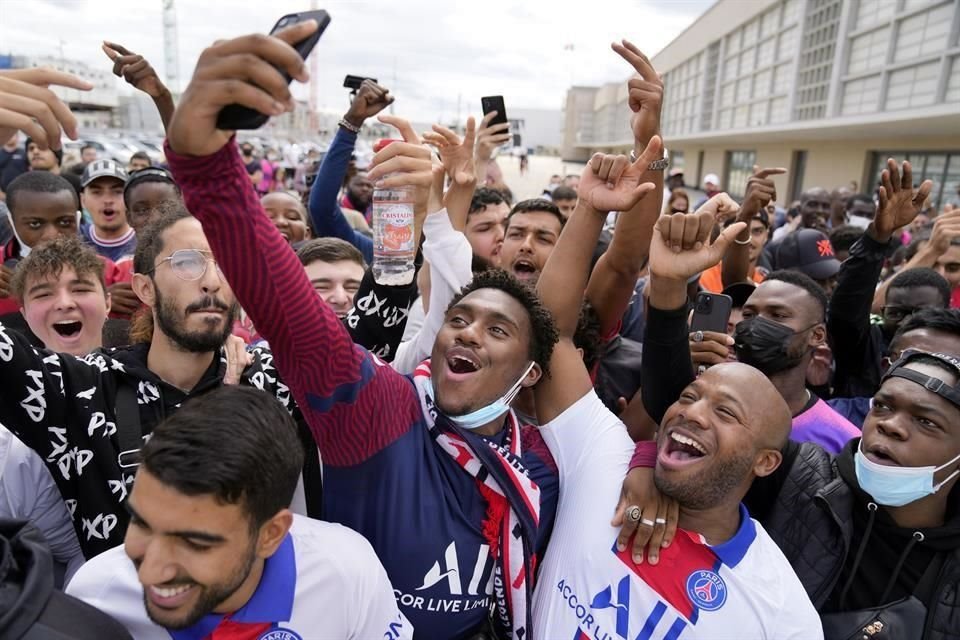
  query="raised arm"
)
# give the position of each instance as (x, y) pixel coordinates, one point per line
(138, 73)
(339, 387)
(679, 250)
(608, 183)
(848, 317)
(760, 191)
(616, 273)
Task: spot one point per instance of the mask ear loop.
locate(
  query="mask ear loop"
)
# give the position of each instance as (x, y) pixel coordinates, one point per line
(514, 391)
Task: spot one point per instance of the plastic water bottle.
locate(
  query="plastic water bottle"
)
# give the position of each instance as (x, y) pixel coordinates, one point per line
(394, 250)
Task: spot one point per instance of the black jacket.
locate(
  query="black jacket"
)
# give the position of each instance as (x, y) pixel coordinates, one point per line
(65, 409)
(809, 507)
(858, 346)
(30, 608)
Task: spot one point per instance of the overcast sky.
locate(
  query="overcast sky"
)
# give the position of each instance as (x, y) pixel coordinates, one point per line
(431, 54)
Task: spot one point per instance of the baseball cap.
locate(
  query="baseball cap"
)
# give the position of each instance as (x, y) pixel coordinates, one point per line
(676, 171)
(808, 251)
(102, 169)
(739, 292)
(712, 179)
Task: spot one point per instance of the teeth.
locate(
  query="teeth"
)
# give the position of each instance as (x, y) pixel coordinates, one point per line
(690, 442)
(65, 322)
(170, 592)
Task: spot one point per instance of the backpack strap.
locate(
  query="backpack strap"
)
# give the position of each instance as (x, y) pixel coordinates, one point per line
(129, 431)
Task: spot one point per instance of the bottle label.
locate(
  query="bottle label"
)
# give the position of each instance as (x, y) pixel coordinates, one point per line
(395, 222)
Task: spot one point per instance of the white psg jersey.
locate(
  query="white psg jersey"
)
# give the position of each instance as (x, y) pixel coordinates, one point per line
(741, 589)
(323, 581)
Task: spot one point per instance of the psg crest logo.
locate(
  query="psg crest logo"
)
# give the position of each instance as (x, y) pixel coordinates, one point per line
(706, 590)
(280, 634)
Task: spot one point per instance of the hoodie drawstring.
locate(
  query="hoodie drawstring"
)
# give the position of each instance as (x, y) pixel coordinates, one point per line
(872, 508)
(917, 537)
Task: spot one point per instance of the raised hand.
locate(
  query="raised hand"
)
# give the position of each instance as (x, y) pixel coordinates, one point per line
(135, 69)
(489, 138)
(611, 183)
(899, 203)
(238, 359)
(123, 301)
(370, 100)
(245, 71)
(721, 206)
(760, 191)
(26, 104)
(6, 274)
(456, 154)
(945, 229)
(681, 245)
(645, 92)
(409, 164)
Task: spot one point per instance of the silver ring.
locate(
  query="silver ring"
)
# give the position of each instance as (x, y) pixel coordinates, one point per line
(698, 336)
(701, 370)
(633, 513)
(648, 523)
(661, 521)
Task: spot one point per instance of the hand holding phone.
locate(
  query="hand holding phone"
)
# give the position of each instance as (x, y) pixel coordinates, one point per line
(494, 103)
(236, 116)
(250, 70)
(711, 312)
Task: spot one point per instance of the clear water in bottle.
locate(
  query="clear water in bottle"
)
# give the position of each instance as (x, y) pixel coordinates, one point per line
(394, 251)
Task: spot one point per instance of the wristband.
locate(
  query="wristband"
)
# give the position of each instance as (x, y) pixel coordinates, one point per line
(348, 125)
(644, 455)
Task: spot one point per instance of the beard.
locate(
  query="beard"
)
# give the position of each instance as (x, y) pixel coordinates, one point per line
(171, 322)
(708, 487)
(211, 596)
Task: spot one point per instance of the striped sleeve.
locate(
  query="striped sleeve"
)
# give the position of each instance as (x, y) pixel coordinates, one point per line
(355, 406)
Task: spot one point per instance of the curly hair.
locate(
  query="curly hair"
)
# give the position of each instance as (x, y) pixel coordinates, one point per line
(543, 331)
(49, 261)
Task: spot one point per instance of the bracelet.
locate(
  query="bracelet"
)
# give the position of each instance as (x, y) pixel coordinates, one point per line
(742, 243)
(349, 126)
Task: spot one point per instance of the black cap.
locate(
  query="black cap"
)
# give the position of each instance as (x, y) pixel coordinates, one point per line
(739, 292)
(808, 251)
(102, 169)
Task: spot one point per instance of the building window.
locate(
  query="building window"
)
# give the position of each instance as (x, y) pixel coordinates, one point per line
(924, 33)
(953, 81)
(941, 167)
(913, 86)
(738, 169)
(871, 12)
(676, 159)
(868, 51)
(860, 96)
(798, 166)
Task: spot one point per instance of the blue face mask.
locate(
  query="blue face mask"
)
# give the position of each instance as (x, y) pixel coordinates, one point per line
(897, 486)
(489, 413)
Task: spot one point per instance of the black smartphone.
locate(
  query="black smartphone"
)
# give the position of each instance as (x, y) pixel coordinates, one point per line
(494, 103)
(354, 82)
(711, 312)
(235, 116)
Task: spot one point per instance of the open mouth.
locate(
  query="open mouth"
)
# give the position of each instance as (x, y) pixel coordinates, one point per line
(881, 455)
(68, 328)
(679, 449)
(523, 268)
(461, 363)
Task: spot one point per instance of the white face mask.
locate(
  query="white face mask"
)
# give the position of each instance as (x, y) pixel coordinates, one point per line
(25, 249)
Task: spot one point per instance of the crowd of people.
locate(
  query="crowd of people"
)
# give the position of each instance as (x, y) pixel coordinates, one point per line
(215, 422)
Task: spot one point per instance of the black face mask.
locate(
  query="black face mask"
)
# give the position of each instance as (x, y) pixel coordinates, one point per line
(764, 344)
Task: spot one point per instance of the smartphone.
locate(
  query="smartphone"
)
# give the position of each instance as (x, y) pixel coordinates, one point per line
(711, 312)
(494, 103)
(235, 116)
(354, 82)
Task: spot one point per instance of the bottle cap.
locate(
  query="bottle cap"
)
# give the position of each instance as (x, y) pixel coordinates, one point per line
(382, 143)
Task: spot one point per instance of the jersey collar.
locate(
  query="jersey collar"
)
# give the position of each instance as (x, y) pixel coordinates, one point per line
(732, 551)
(272, 601)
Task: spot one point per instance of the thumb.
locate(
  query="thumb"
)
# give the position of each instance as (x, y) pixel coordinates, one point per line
(638, 193)
(719, 248)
